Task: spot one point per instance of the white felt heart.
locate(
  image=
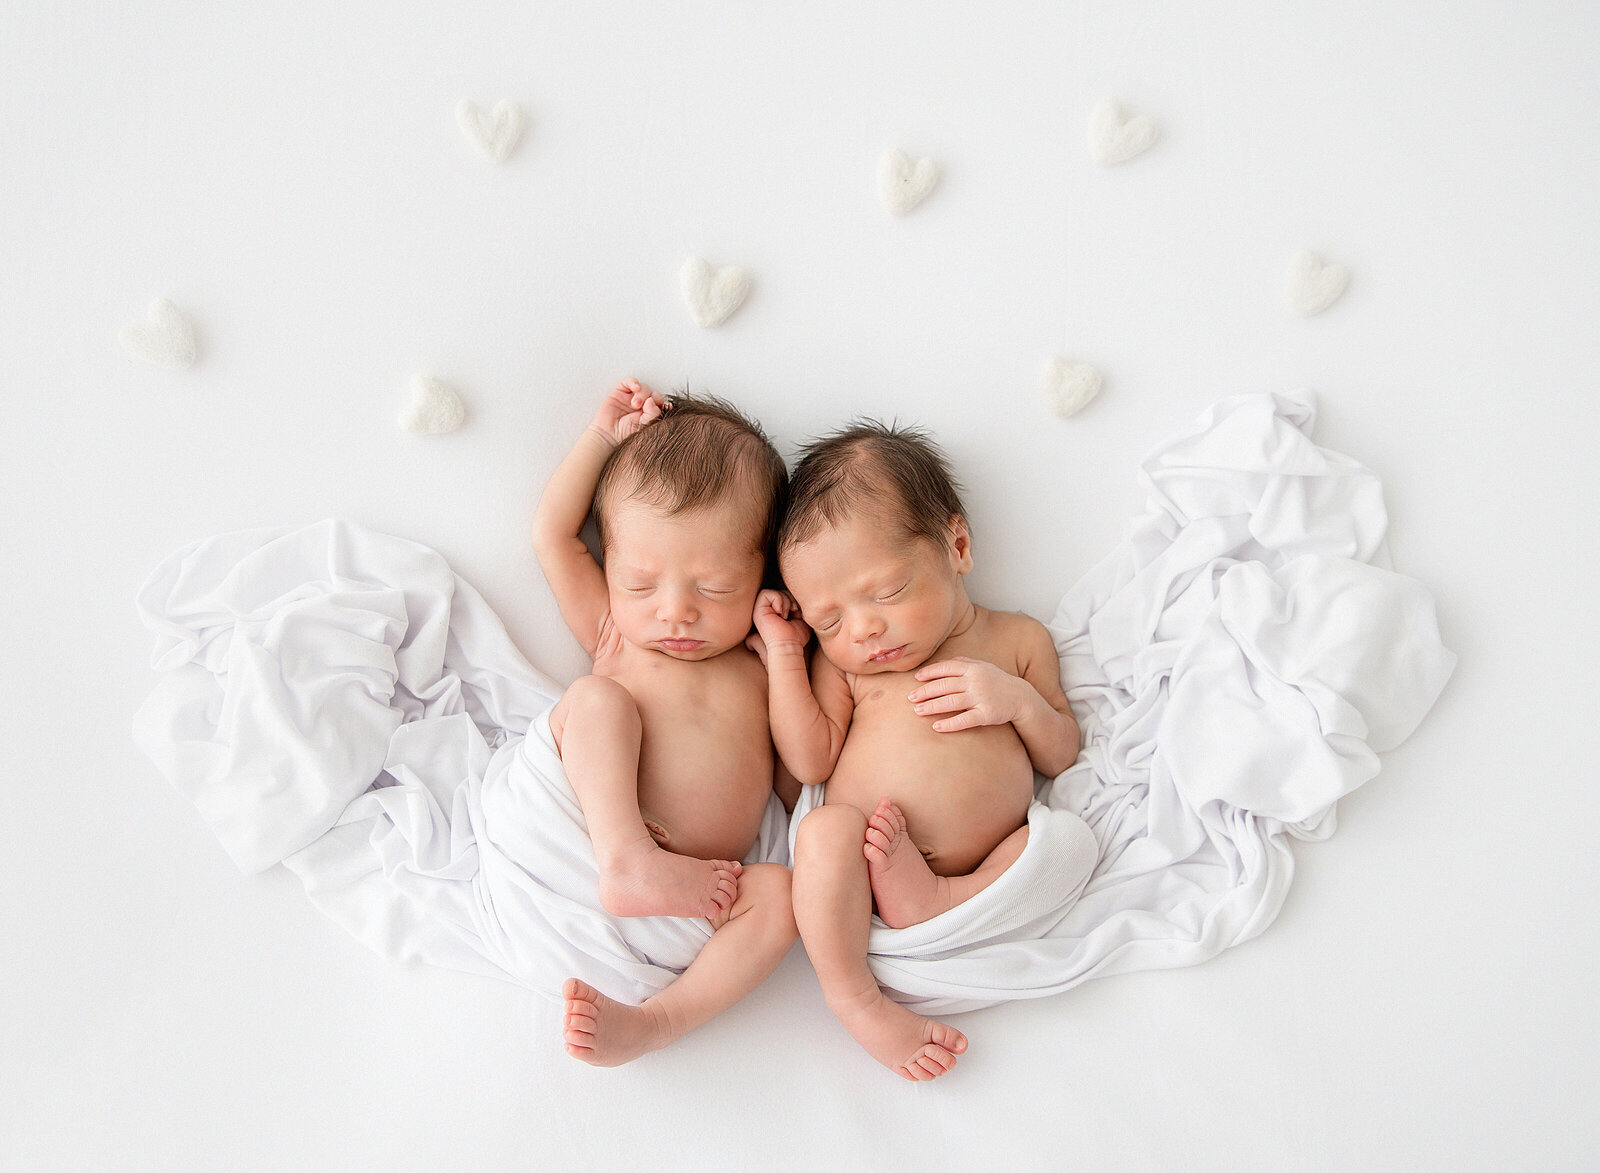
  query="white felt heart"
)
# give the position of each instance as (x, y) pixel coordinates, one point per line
(1070, 386)
(712, 294)
(1311, 285)
(434, 408)
(903, 183)
(165, 338)
(1113, 139)
(496, 134)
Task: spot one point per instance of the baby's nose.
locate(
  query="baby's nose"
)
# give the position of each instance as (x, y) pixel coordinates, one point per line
(865, 628)
(676, 607)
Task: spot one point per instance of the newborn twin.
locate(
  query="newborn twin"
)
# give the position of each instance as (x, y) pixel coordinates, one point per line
(925, 714)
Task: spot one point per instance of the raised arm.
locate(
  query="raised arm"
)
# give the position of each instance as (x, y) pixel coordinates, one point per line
(575, 578)
(809, 710)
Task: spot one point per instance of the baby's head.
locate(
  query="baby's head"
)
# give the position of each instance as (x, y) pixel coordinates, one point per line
(874, 546)
(687, 509)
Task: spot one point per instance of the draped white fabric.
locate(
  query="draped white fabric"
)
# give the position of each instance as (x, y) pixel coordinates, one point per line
(341, 702)
(1236, 663)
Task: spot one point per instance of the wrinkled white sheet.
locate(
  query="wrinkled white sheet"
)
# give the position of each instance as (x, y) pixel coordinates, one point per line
(339, 701)
(1236, 664)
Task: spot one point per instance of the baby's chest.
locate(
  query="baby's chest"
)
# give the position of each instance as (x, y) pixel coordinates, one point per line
(708, 698)
(991, 646)
(888, 693)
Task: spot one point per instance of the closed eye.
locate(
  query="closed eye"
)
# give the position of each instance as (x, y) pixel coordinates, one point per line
(891, 595)
(716, 592)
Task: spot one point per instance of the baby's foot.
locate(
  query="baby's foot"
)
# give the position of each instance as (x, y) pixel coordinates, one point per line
(908, 1044)
(606, 1033)
(904, 887)
(644, 880)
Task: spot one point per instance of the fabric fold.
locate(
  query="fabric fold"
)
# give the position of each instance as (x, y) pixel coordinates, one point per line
(341, 702)
(1236, 664)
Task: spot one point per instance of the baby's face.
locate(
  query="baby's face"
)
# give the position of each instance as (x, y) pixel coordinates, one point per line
(684, 585)
(877, 602)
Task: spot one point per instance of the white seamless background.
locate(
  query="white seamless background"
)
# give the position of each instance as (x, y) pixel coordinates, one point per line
(292, 176)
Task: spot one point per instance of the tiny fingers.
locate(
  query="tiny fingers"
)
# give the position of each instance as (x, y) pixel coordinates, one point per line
(971, 719)
(944, 687)
(952, 703)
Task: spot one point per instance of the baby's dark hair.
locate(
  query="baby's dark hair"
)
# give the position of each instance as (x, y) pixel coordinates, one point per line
(872, 467)
(701, 451)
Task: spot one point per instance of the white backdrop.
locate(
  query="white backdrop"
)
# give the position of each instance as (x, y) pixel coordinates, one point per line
(291, 175)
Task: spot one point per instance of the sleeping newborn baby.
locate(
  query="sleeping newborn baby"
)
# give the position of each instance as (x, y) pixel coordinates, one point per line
(925, 714)
(666, 743)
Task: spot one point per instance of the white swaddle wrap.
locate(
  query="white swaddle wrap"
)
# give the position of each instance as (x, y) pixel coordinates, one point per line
(339, 701)
(1234, 664)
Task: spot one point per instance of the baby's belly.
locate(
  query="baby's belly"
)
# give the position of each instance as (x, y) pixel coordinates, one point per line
(961, 793)
(704, 776)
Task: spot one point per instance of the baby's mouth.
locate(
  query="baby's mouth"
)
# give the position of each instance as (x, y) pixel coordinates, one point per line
(888, 655)
(680, 645)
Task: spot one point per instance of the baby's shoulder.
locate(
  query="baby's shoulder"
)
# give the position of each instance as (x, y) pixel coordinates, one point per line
(1009, 625)
(1011, 633)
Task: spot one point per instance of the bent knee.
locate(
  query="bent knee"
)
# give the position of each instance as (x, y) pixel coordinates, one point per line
(764, 889)
(765, 882)
(591, 699)
(831, 829)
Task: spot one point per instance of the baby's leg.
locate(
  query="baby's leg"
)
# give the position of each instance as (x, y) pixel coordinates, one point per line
(737, 959)
(833, 909)
(597, 730)
(905, 888)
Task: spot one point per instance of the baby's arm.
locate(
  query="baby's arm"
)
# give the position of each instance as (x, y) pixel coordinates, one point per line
(785, 785)
(575, 578)
(1050, 732)
(978, 693)
(809, 710)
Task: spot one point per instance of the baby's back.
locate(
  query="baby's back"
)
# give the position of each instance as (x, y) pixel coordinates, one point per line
(961, 792)
(705, 756)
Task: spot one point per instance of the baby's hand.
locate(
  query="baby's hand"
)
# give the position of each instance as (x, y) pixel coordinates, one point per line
(977, 692)
(628, 408)
(778, 620)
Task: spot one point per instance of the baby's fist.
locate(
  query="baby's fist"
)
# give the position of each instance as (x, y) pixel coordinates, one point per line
(778, 620)
(628, 408)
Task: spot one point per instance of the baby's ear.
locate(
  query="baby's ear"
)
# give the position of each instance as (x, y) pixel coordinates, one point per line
(960, 544)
